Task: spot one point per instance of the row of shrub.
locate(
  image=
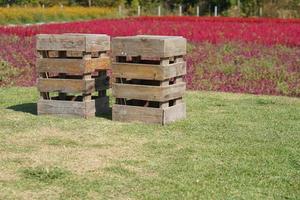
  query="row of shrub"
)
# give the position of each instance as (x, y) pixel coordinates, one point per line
(21, 15)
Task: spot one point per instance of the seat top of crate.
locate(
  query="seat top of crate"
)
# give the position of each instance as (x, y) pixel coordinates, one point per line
(73, 42)
(149, 46)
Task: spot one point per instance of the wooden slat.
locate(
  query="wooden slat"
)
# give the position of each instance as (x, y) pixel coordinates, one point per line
(57, 107)
(73, 42)
(148, 72)
(149, 46)
(71, 85)
(166, 103)
(125, 113)
(148, 93)
(73, 108)
(174, 113)
(72, 66)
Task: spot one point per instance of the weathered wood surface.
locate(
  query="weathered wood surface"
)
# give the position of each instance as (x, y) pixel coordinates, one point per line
(124, 113)
(72, 66)
(148, 72)
(147, 92)
(149, 46)
(174, 113)
(73, 108)
(72, 85)
(73, 42)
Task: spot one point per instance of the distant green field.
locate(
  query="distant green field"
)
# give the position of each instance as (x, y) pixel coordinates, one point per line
(21, 15)
(231, 146)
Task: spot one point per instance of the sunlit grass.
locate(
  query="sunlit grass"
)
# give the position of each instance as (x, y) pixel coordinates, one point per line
(231, 146)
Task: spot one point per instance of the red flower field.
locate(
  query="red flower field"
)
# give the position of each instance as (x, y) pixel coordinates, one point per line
(260, 56)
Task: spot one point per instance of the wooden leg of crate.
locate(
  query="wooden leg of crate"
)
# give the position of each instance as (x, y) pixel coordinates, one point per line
(179, 79)
(44, 95)
(179, 100)
(164, 61)
(179, 59)
(87, 96)
(164, 104)
(41, 54)
(62, 95)
(174, 113)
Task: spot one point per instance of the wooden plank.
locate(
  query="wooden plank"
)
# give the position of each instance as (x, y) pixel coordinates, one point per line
(73, 42)
(125, 113)
(87, 95)
(149, 46)
(166, 103)
(72, 66)
(174, 113)
(62, 96)
(73, 108)
(57, 107)
(74, 54)
(148, 72)
(72, 85)
(148, 93)
(52, 54)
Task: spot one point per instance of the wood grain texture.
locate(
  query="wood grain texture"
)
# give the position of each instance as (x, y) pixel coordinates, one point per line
(147, 92)
(73, 108)
(149, 46)
(174, 113)
(125, 113)
(72, 66)
(72, 85)
(147, 71)
(73, 42)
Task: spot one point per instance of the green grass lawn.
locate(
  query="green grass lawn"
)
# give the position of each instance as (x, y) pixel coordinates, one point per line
(231, 146)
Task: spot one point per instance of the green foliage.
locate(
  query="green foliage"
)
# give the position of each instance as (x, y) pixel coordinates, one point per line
(104, 3)
(7, 73)
(248, 7)
(134, 4)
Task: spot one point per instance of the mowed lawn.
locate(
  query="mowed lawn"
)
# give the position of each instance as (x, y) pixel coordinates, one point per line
(231, 146)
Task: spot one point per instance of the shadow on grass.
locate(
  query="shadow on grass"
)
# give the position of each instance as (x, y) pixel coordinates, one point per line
(30, 108)
(106, 115)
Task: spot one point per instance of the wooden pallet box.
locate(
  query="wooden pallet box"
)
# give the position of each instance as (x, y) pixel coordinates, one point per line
(85, 109)
(72, 67)
(148, 81)
(162, 116)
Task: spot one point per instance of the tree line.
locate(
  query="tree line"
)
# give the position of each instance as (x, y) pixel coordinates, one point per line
(247, 7)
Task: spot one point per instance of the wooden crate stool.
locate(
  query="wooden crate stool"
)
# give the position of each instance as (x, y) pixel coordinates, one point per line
(147, 78)
(72, 69)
